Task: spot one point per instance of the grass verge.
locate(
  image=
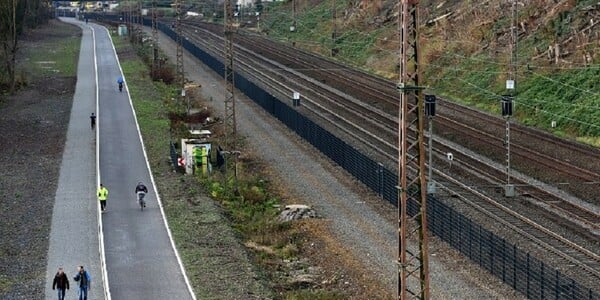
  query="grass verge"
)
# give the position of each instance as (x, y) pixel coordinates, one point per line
(54, 56)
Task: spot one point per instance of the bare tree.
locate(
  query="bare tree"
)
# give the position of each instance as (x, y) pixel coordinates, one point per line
(8, 38)
(15, 15)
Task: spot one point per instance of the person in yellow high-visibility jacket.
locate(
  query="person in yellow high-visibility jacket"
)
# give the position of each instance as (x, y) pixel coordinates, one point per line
(102, 196)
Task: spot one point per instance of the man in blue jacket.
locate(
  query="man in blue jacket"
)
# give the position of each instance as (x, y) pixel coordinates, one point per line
(85, 281)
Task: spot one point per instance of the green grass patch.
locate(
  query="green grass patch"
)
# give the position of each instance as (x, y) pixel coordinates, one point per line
(54, 56)
(5, 284)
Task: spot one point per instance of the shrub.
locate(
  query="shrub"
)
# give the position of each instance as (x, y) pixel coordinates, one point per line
(165, 74)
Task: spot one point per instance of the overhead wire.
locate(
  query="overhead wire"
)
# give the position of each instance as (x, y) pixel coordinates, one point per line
(317, 35)
(525, 103)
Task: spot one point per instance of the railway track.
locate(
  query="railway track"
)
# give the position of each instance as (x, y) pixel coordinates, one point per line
(381, 95)
(280, 71)
(333, 106)
(542, 159)
(571, 253)
(485, 174)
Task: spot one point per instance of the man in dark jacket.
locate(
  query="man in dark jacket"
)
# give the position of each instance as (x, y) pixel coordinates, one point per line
(85, 281)
(61, 283)
(143, 190)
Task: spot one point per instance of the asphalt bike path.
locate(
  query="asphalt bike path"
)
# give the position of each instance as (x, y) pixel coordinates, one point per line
(74, 232)
(140, 258)
(128, 252)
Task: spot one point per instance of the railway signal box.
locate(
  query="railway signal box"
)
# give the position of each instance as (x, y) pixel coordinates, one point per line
(430, 105)
(507, 106)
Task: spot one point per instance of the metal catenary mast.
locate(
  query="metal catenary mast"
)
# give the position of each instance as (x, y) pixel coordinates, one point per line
(154, 40)
(179, 53)
(413, 273)
(230, 126)
(509, 99)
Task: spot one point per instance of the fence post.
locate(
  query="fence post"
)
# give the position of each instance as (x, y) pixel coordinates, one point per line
(527, 270)
(470, 239)
(490, 243)
(542, 280)
(503, 260)
(380, 178)
(556, 287)
(460, 232)
(514, 266)
(480, 245)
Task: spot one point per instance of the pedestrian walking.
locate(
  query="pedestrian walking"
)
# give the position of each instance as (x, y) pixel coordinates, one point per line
(60, 283)
(85, 281)
(102, 196)
(93, 120)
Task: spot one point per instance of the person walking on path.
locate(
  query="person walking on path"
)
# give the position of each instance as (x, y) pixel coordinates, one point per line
(102, 196)
(85, 281)
(60, 283)
(93, 120)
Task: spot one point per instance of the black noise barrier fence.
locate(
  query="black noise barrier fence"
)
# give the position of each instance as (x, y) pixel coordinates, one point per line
(515, 267)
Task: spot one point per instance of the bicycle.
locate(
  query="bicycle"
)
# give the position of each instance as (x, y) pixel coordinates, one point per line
(120, 81)
(141, 200)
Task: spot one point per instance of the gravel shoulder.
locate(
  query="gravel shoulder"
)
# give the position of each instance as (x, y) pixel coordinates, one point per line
(357, 235)
(33, 126)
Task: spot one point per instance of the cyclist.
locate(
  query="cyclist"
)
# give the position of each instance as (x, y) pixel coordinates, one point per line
(141, 191)
(120, 82)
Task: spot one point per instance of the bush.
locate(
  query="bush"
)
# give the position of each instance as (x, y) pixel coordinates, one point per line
(165, 74)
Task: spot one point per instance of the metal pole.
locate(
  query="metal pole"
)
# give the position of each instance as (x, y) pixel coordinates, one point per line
(511, 86)
(334, 33)
(293, 28)
(413, 273)
(154, 41)
(430, 113)
(230, 141)
(430, 182)
(129, 18)
(179, 51)
(141, 17)
(509, 192)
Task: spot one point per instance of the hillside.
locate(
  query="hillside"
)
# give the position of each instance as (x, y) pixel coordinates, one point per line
(466, 51)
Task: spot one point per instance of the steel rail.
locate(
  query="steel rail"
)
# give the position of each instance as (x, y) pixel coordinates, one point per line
(289, 89)
(279, 67)
(590, 257)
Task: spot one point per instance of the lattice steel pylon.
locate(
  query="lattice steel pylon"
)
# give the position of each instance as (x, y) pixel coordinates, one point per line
(230, 126)
(129, 17)
(179, 53)
(134, 27)
(141, 20)
(413, 273)
(154, 40)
